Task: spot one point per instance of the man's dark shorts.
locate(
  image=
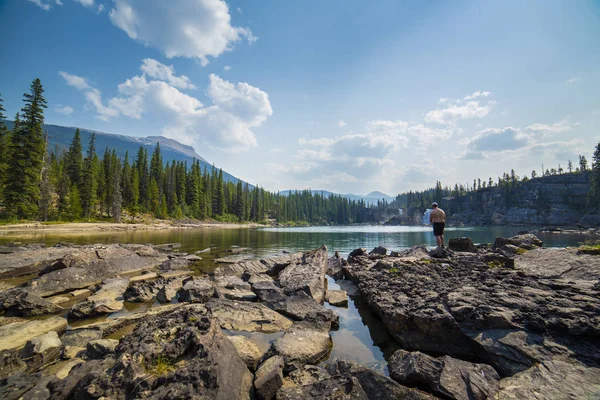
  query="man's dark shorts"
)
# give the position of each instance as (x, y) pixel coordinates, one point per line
(438, 228)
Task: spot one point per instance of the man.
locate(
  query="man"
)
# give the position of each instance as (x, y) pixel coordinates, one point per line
(438, 218)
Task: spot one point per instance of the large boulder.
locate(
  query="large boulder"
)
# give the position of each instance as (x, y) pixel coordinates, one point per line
(379, 250)
(445, 376)
(269, 378)
(337, 298)
(247, 349)
(108, 299)
(182, 354)
(20, 303)
(308, 275)
(526, 241)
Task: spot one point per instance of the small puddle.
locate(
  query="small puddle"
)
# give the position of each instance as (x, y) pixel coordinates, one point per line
(262, 340)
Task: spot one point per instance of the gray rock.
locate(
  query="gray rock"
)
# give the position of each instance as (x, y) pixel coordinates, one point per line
(108, 299)
(445, 376)
(269, 378)
(80, 337)
(337, 298)
(11, 363)
(379, 250)
(20, 303)
(441, 253)
(196, 290)
(175, 264)
(528, 241)
(168, 291)
(339, 388)
(41, 344)
(248, 317)
(308, 275)
(16, 334)
(26, 387)
(463, 244)
(247, 350)
(100, 348)
(358, 252)
(335, 267)
(270, 266)
(308, 374)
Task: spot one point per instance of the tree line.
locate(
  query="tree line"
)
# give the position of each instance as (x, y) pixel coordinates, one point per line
(78, 184)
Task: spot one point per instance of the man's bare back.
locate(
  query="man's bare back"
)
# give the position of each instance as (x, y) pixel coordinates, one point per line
(437, 215)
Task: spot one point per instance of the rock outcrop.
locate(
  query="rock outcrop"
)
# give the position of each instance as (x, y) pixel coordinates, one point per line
(108, 299)
(307, 275)
(20, 303)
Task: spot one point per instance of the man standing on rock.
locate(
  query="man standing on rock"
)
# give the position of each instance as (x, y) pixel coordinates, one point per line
(438, 218)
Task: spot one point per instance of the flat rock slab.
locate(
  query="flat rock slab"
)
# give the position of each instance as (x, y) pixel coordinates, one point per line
(270, 266)
(143, 277)
(248, 317)
(15, 335)
(20, 303)
(106, 300)
(89, 265)
(337, 298)
(559, 263)
(307, 275)
(30, 260)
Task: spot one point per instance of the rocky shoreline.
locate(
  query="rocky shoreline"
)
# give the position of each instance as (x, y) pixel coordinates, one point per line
(510, 320)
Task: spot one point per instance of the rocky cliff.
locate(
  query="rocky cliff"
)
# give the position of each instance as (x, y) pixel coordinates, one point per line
(552, 200)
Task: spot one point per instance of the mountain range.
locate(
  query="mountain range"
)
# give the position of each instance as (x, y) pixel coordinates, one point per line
(371, 198)
(60, 137)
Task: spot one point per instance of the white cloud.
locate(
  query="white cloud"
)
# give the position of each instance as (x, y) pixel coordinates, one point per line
(225, 124)
(477, 94)
(455, 112)
(192, 29)
(66, 110)
(227, 68)
(46, 5)
(574, 79)
(413, 133)
(341, 123)
(75, 81)
(166, 73)
(549, 129)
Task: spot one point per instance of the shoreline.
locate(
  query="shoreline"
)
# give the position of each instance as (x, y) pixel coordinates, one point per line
(91, 227)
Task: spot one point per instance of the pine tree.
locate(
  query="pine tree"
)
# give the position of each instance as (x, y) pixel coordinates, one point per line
(153, 197)
(89, 184)
(239, 207)
(75, 209)
(582, 163)
(594, 195)
(570, 166)
(27, 156)
(4, 150)
(63, 195)
(156, 167)
(74, 160)
(116, 197)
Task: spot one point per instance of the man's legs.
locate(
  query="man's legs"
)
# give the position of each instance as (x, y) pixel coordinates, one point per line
(438, 241)
(441, 241)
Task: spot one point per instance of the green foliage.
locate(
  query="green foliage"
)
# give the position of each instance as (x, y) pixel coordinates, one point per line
(393, 270)
(161, 365)
(495, 264)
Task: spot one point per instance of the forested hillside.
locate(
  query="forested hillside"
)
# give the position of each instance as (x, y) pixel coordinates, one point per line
(77, 183)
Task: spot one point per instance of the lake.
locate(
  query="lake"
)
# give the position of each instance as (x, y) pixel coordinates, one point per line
(362, 336)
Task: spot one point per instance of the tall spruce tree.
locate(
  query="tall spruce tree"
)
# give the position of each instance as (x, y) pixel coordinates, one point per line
(74, 160)
(27, 156)
(88, 189)
(594, 195)
(4, 145)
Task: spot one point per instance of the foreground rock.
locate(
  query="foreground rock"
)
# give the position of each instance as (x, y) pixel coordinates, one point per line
(16, 334)
(247, 350)
(107, 299)
(445, 376)
(179, 355)
(248, 317)
(20, 303)
(269, 378)
(474, 306)
(90, 265)
(308, 275)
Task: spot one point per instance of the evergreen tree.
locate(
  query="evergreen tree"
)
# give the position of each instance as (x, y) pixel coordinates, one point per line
(156, 167)
(63, 195)
(27, 156)
(4, 150)
(89, 184)
(239, 207)
(75, 209)
(594, 195)
(570, 166)
(116, 197)
(74, 160)
(45, 203)
(135, 191)
(582, 163)
(153, 197)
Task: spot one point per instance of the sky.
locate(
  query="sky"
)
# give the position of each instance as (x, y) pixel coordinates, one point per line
(342, 95)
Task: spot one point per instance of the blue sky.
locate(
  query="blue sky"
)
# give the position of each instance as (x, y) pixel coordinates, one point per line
(346, 95)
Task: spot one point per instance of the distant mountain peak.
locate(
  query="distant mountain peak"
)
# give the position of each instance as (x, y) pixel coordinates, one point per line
(378, 194)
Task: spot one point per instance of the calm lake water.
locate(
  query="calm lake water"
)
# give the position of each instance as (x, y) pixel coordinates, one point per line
(362, 336)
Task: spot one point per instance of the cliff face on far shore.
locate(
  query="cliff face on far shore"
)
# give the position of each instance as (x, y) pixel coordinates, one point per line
(559, 200)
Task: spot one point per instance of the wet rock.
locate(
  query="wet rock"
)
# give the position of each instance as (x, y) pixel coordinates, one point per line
(42, 344)
(528, 241)
(100, 348)
(379, 250)
(306, 342)
(374, 384)
(106, 300)
(248, 317)
(182, 354)
(463, 244)
(167, 247)
(20, 303)
(552, 380)
(308, 275)
(335, 266)
(80, 337)
(269, 378)
(247, 350)
(175, 264)
(16, 334)
(196, 290)
(445, 376)
(90, 265)
(337, 298)
(193, 258)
